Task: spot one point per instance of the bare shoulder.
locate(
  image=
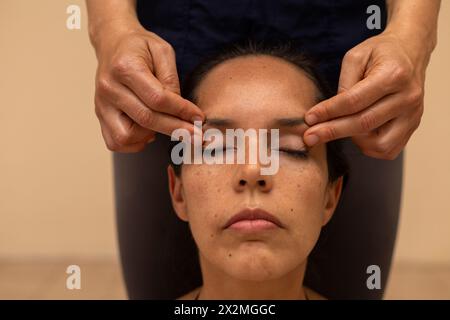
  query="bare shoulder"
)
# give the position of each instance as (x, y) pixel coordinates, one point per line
(313, 295)
(190, 295)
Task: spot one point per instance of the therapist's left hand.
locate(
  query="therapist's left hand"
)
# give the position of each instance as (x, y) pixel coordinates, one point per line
(380, 98)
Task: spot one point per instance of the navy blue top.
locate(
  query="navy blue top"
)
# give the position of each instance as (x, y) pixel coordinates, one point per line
(327, 29)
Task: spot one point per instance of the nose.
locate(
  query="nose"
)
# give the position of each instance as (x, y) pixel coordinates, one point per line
(248, 177)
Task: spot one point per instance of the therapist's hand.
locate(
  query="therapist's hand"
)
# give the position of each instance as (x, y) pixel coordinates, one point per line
(380, 97)
(137, 89)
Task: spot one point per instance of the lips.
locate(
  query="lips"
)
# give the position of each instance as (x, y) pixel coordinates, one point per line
(255, 218)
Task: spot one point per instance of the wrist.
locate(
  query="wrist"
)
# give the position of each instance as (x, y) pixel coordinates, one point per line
(419, 36)
(102, 32)
(419, 43)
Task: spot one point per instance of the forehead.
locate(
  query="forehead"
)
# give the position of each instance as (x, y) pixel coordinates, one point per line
(256, 88)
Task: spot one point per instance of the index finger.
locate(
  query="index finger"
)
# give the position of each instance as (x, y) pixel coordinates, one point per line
(148, 88)
(363, 94)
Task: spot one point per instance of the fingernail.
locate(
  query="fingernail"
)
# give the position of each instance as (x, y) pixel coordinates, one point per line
(311, 139)
(198, 130)
(196, 118)
(310, 119)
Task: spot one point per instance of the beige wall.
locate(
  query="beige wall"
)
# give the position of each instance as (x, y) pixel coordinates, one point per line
(56, 192)
(425, 217)
(56, 183)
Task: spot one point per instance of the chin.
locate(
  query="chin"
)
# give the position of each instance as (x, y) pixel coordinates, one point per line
(253, 269)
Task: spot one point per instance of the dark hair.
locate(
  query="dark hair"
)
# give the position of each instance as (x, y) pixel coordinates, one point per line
(285, 50)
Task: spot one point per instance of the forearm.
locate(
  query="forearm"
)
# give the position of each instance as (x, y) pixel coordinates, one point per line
(415, 22)
(110, 16)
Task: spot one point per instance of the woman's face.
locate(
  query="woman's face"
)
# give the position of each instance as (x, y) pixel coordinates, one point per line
(255, 92)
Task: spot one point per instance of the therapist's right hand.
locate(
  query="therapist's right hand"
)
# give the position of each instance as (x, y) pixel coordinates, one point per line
(137, 90)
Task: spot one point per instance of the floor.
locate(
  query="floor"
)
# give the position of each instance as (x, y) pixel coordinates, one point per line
(102, 280)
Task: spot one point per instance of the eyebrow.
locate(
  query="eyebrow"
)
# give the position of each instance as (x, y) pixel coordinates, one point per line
(218, 122)
(289, 122)
(279, 122)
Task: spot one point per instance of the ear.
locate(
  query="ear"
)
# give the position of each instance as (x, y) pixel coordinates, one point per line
(176, 194)
(332, 195)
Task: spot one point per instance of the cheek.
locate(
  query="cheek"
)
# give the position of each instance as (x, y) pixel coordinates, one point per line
(302, 187)
(302, 182)
(309, 187)
(201, 186)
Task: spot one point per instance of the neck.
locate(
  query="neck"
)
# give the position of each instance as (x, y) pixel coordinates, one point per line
(219, 285)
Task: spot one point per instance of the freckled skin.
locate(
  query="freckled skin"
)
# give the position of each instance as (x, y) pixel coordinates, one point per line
(262, 88)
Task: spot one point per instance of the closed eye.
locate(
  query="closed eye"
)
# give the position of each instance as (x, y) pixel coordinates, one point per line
(302, 154)
(213, 150)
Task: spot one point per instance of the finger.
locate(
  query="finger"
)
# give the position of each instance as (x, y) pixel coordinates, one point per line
(164, 62)
(388, 141)
(353, 66)
(144, 84)
(358, 97)
(113, 146)
(123, 130)
(124, 99)
(363, 122)
(167, 124)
